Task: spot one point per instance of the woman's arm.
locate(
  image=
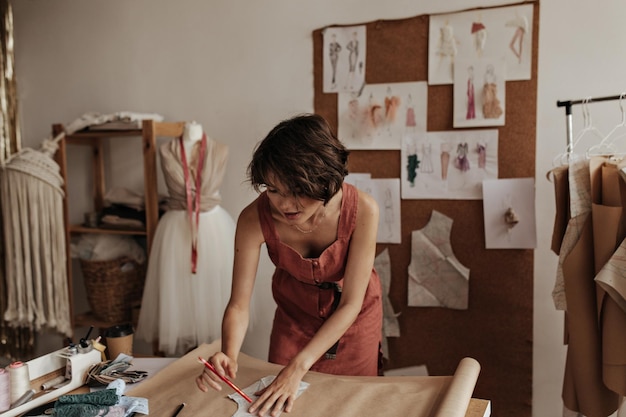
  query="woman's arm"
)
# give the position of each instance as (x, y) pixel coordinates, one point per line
(248, 241)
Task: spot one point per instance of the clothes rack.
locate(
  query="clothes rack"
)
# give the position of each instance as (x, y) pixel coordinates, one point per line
(568, 113)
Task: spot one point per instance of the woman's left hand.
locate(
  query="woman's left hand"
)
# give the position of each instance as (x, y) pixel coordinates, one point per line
(279, 395)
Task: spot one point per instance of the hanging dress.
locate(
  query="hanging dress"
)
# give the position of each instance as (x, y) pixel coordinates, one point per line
(305, 291)
(181, 309)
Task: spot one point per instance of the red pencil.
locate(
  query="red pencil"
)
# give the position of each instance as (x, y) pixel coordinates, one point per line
(223, 378)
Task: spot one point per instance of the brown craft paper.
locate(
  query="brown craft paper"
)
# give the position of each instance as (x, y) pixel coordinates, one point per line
(328, 395)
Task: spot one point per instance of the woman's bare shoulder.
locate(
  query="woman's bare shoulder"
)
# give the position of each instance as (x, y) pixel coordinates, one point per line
(250, 214)
(367, 203)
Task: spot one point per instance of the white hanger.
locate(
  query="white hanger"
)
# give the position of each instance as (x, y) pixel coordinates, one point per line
(564, 158)
(600, 148)
(612, 137)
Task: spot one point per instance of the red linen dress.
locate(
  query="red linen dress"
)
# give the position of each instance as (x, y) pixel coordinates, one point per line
(304, 290)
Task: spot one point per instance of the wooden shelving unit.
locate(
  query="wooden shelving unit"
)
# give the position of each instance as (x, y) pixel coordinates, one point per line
(95, 139)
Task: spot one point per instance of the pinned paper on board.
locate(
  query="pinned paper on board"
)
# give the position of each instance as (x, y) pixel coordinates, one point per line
(344, 59)
(509, 210)
(386, 192)
(449, 164)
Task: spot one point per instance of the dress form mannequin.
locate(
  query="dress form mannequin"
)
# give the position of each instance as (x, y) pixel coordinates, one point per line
(191, 134)
(183, 299)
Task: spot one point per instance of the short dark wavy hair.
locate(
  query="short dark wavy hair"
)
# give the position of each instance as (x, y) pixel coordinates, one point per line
(304, 155)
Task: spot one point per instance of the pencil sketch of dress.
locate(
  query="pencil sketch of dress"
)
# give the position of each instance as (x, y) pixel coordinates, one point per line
(491, 102)
(447, 42)
(181, 309)
(471, 106)
(427, 159)
(333, 51)
(353, 56)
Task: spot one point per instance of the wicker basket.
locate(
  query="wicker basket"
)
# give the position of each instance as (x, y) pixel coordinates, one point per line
(113, 287)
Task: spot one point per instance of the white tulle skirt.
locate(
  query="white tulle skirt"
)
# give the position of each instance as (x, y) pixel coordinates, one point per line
(180, 309)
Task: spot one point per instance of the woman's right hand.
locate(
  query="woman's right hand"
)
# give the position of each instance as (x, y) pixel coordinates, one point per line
(223, 365)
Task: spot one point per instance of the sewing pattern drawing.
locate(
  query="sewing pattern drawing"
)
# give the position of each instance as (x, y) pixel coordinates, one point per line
(181, 309)
(436, 277)
(242, 404)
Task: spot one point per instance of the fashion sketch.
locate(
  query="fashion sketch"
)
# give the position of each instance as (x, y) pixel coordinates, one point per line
(447, 48)
(344, 59)
(448, 164)
(471, 107)
(412, 162)
(410, 116)
(381, 114)
(333, 52)
(491, 103)
(478, 92)
(481, 35)
(479, 32)
(520, 24)
(353, 47)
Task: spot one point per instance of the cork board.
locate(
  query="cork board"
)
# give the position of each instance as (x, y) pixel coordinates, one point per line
(497, 328)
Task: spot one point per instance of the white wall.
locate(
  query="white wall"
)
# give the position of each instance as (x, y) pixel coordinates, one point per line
(238, 67)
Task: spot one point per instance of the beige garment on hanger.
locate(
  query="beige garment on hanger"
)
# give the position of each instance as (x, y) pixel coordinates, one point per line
(561, 196)
(583, 387)
(609, 194)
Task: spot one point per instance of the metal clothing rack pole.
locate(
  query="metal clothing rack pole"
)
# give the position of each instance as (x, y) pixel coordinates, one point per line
(568, 113)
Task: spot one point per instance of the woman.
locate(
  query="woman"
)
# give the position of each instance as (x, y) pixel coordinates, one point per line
(320, 234)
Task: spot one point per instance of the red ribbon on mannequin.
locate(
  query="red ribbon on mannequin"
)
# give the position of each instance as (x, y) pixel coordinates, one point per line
(193, 210)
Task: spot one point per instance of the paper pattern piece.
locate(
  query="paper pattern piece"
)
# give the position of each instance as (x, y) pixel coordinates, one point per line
(326, 395)
(518, 196)
(386, 191)
(612, 276)
(503, 32)
(436, 277)
(344, 59)
(391, 327)
(243, 404)
(381, 115)
(448, 165)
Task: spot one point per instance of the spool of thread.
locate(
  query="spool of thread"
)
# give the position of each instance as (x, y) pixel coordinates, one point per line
(50, 384)
(24, 398)
(5, 390)
(20, 380)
